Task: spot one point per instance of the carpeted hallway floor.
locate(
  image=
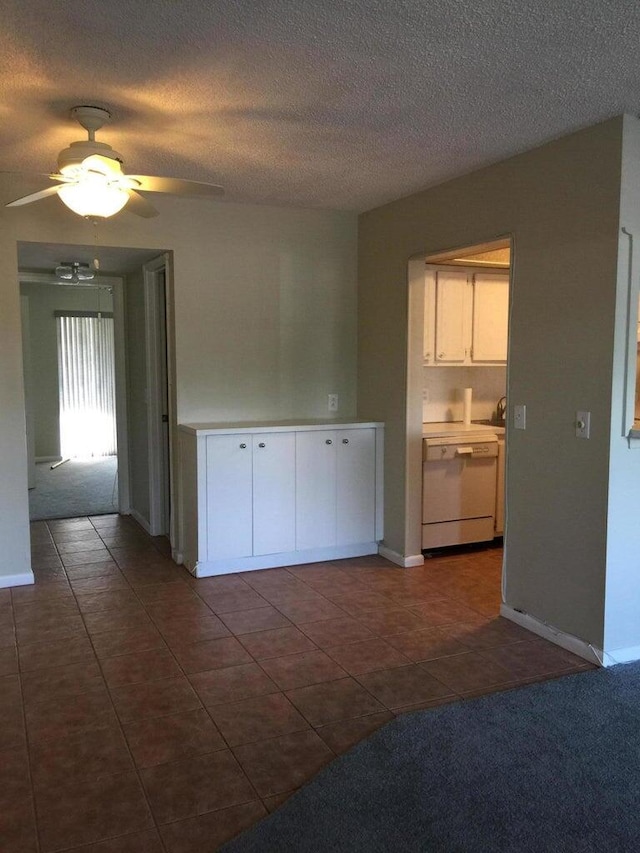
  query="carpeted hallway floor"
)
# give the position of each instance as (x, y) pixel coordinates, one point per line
(145, 711)
(78, 487)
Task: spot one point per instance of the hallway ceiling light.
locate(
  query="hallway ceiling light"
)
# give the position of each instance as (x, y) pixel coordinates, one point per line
(74, 272)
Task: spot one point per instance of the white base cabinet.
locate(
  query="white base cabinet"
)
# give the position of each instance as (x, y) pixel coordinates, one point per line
(250, 493)
(266, 495)
(340, 508)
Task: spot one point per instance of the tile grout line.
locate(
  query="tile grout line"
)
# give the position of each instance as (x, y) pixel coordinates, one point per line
(119, 724)
(27, 744)
(203, 707)
(279, 691)
(363, 576)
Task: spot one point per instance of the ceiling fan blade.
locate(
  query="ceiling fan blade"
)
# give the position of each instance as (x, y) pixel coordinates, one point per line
(140, 206)
(102, 165)
(177, 186)
(31, 175)
(27, 199)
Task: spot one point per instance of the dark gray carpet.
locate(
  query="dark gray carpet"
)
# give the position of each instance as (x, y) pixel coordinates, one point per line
(550, 767)
(78, 487)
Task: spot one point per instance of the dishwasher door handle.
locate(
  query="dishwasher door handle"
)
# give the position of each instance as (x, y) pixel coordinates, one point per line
(464, 451)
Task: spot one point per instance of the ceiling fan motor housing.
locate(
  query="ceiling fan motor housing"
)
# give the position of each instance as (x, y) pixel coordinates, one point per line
(79, 151)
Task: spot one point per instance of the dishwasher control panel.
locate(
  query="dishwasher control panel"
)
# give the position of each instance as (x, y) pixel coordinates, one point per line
(458, 447)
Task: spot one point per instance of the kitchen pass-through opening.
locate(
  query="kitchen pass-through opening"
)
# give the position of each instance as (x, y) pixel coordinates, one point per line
(463, 388)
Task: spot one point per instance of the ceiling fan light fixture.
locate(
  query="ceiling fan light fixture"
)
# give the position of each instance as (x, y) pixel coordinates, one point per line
(93, 197)
(92, 184)
(74, 271)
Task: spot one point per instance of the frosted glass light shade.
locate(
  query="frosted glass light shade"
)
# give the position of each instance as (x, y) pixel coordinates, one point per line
(90, 197)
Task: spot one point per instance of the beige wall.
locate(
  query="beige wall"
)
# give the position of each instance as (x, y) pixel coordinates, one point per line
(561, 205)
(265, 317)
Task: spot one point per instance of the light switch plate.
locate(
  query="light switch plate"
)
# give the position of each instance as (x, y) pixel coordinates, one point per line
(520, 417)
(333, 402)
(583, 424)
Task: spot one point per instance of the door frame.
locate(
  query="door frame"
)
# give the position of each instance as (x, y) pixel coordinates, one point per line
(158, 349)
(416, 267)
(117, 285)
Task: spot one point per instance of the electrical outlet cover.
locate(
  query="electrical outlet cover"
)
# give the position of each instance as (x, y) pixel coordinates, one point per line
(583, 424)
(520, 417)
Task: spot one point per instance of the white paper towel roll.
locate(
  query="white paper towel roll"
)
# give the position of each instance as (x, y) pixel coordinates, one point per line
(466, 406)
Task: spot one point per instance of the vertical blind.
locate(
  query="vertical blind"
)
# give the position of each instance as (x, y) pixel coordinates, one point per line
(86, 372)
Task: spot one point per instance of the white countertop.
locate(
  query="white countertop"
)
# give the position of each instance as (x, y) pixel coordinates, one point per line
(436, 430)
(276, 426)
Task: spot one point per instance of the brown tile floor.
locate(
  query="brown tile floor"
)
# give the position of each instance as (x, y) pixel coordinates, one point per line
(143, 710)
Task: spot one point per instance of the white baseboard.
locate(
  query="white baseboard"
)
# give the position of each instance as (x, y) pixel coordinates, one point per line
(554, 635)
(626, 655)
(23, 579)
(206, 568)
(399, 560)
(139, 519)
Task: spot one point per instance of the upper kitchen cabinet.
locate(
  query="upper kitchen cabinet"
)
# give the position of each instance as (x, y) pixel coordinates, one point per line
(465, 317)
(451, 320)
(490, 318)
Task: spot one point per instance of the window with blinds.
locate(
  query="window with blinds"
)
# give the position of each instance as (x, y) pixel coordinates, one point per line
(86, 374)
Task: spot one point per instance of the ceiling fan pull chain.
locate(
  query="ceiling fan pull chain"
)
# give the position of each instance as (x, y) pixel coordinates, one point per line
(96, 260)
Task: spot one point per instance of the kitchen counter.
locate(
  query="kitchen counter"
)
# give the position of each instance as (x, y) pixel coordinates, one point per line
(276, 426)
(437, 430)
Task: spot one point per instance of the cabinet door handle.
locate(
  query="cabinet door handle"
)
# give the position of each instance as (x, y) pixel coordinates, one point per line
(243, 446)
(440, 355)
(328, 441)
(262, 444)
(345, 441)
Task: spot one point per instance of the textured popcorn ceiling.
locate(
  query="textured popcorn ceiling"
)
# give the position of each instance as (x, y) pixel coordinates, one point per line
(333, 103)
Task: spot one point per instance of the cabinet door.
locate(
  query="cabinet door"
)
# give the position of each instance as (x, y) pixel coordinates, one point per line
(315, 489)
(274, 492)
(429, 339)
(490, 318)
(229, 496)
(356, 481)
(451, 317)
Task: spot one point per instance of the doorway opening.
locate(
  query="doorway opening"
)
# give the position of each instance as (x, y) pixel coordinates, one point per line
(457, 398)
(91, 354)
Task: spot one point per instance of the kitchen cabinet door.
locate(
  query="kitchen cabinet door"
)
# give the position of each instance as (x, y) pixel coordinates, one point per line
(315, 489)
(274, 491)
(356, 477)
(451, 317)
(490, 318)
(229, 496)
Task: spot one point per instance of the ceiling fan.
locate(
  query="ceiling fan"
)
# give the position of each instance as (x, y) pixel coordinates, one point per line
(74, 271)
(90, 180)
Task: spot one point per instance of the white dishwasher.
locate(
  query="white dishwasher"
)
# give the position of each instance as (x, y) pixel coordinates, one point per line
(458, 489)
